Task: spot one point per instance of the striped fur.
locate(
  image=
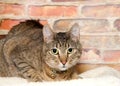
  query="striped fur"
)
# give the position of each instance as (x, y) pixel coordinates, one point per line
(26, 52)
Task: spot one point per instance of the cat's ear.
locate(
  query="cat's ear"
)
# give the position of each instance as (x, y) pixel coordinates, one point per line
(47, 34)
(75, 32)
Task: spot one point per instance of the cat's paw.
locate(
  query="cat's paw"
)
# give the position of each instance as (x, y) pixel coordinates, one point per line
(34, 76)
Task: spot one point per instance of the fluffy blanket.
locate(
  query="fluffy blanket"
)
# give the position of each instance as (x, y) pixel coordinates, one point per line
(103, 76)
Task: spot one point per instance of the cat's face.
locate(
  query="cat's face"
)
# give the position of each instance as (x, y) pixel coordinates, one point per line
(62, 50)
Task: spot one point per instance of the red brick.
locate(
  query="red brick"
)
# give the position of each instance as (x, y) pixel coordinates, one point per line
(101, 11)
(8, 24)
(100, 41)
(11, 9)
(117, 24)
(13, 1)
(79, 1)
(35, 1)
(22, 1)
(113, 1)
(111, 41)
(66, 0)
(111, 56)
(91, 56)
(92, 41)
(43, 22)
(52, 11)
(86, 25)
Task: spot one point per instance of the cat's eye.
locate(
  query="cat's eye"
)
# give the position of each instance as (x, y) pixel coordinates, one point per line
(55, 51)
(70, 50)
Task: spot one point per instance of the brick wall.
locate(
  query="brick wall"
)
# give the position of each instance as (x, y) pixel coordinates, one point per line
(99, 21)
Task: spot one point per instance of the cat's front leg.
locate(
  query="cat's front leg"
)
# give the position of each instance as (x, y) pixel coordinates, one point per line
(30, 74)
(26, 71)
(33, 75)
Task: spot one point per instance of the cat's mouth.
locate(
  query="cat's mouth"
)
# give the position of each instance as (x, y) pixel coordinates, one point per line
(63, 68)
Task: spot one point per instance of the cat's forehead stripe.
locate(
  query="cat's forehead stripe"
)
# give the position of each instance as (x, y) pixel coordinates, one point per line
(62, 40)
(62, 36)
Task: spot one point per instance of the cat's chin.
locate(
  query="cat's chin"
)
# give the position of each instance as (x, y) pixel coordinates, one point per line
(63, 69)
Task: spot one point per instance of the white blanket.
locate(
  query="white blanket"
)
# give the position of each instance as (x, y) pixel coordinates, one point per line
(103, 76)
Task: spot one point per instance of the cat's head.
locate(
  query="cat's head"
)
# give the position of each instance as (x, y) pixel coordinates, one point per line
(62, 50)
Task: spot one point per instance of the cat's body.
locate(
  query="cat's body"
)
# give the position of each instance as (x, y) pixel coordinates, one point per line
(38, 54)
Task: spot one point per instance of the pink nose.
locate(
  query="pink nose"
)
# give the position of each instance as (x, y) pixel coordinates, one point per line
(63, 62)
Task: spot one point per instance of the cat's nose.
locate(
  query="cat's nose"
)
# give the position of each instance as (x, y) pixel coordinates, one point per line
(63, 59)
(63, 62)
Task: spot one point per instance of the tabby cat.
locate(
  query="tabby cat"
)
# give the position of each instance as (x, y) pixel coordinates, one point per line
(36, 53)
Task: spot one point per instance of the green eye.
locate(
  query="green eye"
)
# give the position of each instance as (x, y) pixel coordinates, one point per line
(54, 51)
(70, 50)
